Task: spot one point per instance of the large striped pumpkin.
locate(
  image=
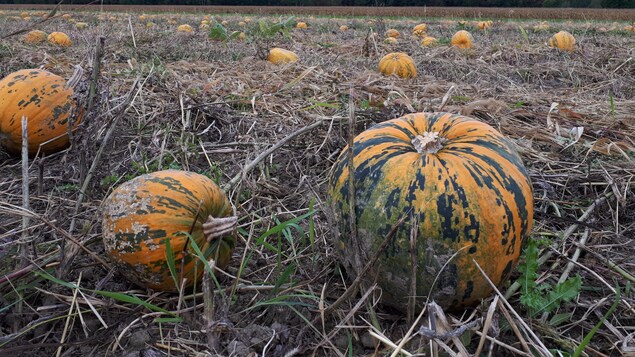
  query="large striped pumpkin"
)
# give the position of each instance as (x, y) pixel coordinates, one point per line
(460, 186)
(142, 215)
(46, 101)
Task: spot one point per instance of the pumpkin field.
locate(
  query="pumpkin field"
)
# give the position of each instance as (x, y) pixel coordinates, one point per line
(186, 189)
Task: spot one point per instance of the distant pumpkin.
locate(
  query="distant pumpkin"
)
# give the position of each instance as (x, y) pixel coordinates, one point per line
(399, 64)
(184, 28)
(343, 28)
(280, 56)
(60, 39)
(393, 33)
(81, 25)
(45, 100)
(420, 30)
(391, 40)
(429, 41)
(301, 25)
(563, 40)
(462, 39)
(35, 36)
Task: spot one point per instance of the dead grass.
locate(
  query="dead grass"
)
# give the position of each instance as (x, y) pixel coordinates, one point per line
(183, 101)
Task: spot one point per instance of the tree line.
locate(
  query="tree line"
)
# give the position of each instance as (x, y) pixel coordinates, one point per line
(478, 3)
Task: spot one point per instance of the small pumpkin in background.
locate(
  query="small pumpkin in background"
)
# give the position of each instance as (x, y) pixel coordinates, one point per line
(420, 30)
(463, 193)
(184, 28)
(142, 216)
(429, 41)
(563, 40)
(399, 64)
(541, 26)
(280, 56)
(81, 25)
(60, 39)
(462, 39)
(301, 25)
(343, 28)
(46, 100)
(35, 36)
(391, 40)
(393, 33)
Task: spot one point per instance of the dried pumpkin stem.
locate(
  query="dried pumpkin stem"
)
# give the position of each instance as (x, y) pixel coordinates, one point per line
(219, 227)
(428, 143)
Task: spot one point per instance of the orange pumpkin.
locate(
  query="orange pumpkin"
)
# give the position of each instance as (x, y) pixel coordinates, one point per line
(463, 192)
(399, 64)
(462, 39)
(142, 215)
(420, 30)
(60, 39)
(429, 41)
(563, 40)
(280, 56)
(46, 101)
(35, 36)
(393, 33)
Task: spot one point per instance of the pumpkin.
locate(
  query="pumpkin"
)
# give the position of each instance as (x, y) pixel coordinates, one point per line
(301, 25)
(149, 24)
(462, 39)
(428, 41)
(280, 55)
(35, 36)
(457, 183)
(392, 33)
(563, 40)
(142, 215)
(184, 28)
(343, 28)
(391, 40)
(59, 38)
(420, 30)
(242, 24)
(398, 63)
(483, 25)
(46, 101)
(542, 26)
(81, 25)
(241, 36)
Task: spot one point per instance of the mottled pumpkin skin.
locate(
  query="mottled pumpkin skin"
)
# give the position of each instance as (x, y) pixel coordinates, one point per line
(46, 100)
(473, 197)
(141, 215)
(399, 64)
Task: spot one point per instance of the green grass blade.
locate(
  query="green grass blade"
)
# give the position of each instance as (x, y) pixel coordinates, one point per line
(591, 333)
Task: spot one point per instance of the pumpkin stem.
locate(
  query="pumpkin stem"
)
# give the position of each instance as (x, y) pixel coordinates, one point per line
(428, 143)
(216, 228)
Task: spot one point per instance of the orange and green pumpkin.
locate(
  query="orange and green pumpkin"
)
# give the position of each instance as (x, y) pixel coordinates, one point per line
(142, 215)
(46, 100)
(460, 186)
